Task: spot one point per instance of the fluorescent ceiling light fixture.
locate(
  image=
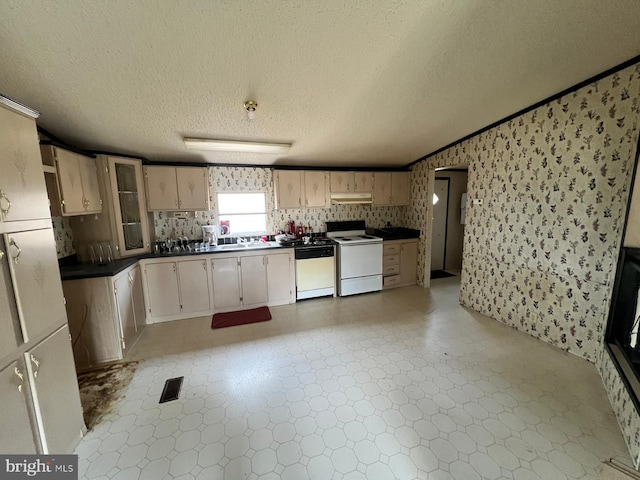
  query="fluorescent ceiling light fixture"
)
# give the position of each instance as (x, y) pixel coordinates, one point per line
(233, 146)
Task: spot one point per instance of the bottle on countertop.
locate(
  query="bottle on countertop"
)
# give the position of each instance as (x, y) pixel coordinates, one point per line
(300, 232)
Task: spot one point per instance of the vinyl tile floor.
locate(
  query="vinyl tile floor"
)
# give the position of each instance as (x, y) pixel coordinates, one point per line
(399, 384)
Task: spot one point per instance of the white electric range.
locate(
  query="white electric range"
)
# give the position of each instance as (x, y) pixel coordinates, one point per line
(359, 257)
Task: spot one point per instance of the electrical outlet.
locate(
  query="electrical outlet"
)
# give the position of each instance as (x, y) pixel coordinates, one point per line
(477, 201)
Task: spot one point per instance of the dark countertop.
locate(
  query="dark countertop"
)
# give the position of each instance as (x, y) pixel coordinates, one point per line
(396, 233)
(93, 270)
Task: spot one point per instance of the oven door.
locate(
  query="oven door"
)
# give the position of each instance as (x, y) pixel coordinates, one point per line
(360, 260)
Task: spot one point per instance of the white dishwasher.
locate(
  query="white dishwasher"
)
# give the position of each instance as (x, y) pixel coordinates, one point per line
(315, 271)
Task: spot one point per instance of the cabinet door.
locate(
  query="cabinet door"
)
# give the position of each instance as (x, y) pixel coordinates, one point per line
(193, 188)
(381, 188)
(342, 182)
(279, 284)
(88, 169)
(129, 210)
(11, 336)
(137, 294)
(162, 289)
(70, 182)
(162, 188)
(194, 286)
(315, 189)
(36, 280)
(93, 321)
(409, 263)
(288, 189)
(124, 305)
(23, 194)
(254, 280)
(400, 188)
(16, 434)
(363, 182)
(53, 375)
(226, 282)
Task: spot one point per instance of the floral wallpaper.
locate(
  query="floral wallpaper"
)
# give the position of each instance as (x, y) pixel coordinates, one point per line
(540, 253)
(257, 179)
(63, 235)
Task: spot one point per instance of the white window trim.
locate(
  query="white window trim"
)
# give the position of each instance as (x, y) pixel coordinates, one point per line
(236, 192)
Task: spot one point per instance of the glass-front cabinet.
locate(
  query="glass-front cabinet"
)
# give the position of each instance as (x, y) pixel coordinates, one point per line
(129, 212)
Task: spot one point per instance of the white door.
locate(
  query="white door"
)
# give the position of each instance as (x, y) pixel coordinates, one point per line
(360, 260)
(23, 194)
(226, 282)
(88, 169)
(193, 188)
(315, 189)
(53, 373)
(279, 278)
(194, 286)
(254, 280)
(36, 278)
(137, 294)
(439, 229)
(124, 304)
(162, 188)
(15, 435)
(162, 289)
(70, 182)
(288, 189)
(9, 321)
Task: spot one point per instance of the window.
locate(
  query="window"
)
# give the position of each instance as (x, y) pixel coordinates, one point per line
(242, 213)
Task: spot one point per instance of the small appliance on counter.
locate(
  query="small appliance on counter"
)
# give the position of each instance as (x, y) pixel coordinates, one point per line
(210, 235)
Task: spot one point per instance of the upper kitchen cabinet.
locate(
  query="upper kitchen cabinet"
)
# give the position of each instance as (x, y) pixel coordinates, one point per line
(23, 195)
(350, 182)
(301, 189)
(177, 188)
(129, 222)
(391, 188)
(76, 190)
(315, 189)
(288, 188)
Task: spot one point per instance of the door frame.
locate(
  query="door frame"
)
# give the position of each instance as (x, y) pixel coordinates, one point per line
(446, 220)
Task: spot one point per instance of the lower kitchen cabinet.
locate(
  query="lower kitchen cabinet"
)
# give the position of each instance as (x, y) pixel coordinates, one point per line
(281, 279)
(253, 276)
(14, 437)
(225, 273)
(193, 280)
(41, 390)
(400, 263)
(176, 288)
(52, 376)
(106, 316)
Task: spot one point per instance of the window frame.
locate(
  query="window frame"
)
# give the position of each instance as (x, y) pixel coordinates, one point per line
(247, 233)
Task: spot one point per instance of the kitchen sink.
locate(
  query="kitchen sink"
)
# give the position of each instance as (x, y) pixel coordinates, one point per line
(242, 246)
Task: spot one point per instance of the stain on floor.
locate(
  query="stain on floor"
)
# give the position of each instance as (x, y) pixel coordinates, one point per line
(100, 390)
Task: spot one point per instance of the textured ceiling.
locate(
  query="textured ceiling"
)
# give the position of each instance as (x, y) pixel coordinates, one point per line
(350, 83)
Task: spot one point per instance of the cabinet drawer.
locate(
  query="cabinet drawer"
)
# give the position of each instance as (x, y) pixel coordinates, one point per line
(391, 260)
(391, 280)
(391, 270)
(391, 249)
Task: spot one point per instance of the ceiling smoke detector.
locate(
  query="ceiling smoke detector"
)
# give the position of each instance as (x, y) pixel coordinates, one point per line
(250, 106)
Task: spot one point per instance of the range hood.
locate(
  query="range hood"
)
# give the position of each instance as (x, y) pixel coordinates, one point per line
(351, 198)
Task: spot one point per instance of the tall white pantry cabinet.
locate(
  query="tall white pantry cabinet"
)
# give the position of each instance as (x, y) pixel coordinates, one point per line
(38, 385)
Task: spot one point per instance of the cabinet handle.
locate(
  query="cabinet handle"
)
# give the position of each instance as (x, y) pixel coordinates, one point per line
(176, 202)
(36, 362)
(20, 376)
(5, 205)
(12, 243)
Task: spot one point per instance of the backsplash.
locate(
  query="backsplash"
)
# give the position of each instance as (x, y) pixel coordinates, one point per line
(63, 235)
(540, 253)
(255, 179)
